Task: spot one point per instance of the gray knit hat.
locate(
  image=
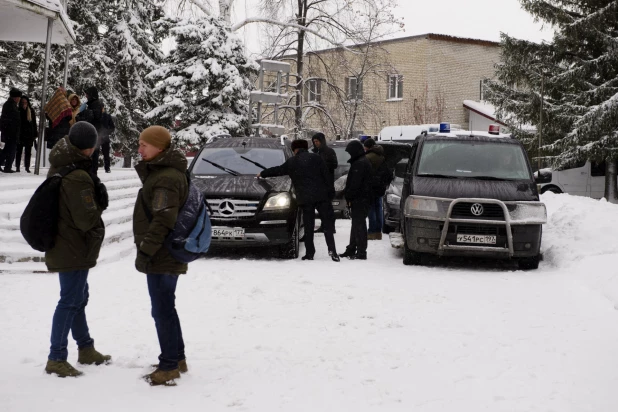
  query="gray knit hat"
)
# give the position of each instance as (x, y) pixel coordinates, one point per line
(83, 135)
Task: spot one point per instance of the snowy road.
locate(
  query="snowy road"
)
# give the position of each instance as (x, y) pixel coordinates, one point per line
(269, 335)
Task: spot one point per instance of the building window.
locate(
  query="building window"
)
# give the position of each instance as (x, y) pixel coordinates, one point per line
(354, 88)
(313, 90)
(395, 87)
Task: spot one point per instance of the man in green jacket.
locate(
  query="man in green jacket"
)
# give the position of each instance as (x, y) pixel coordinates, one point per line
(80, 235)
(163, 174)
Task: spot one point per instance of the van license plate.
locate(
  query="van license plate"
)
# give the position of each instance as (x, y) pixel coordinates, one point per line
(482, 239)
(227, 232)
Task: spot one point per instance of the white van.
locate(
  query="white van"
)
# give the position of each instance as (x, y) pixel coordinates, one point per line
(587, 179)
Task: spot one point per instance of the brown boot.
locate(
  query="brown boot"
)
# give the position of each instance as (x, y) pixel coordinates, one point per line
(90, 356)
(62, 369)
(182, 366)
(159, 377)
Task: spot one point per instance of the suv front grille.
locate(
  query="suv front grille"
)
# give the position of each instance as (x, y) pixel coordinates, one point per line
(491, 211)
(233, 209)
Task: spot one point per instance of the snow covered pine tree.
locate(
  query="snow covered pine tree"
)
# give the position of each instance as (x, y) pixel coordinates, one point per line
(204, 83)
(578, 72)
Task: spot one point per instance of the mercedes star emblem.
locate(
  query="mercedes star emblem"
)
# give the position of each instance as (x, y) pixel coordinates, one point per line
(476, 209)
(226, 208)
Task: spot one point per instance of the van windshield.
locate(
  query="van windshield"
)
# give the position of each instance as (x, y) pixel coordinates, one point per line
(230, 158)
(475, 160)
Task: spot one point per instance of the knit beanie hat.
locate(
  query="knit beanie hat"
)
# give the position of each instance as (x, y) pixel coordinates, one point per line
(300, 144)
(15, 92)
(157, 136)
(83, 135)
(369, 143)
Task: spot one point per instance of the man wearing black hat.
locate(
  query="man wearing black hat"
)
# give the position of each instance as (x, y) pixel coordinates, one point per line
(76, 250)
(314, 190)
(10, 124)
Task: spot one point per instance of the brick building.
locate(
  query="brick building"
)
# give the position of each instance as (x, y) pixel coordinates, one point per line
(410, 80)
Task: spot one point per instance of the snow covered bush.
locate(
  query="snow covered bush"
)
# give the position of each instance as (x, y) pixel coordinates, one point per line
(204, 84)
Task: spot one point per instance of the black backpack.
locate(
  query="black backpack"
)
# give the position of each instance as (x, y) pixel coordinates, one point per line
(381, 179)
(39, 222)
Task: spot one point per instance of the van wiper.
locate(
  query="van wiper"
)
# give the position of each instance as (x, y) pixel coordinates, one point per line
(489, 178)
(438, 175)
(255, 163)
(225, 169)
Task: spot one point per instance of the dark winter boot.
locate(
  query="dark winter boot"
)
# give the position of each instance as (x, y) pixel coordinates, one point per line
(159, 377)
(361, 256)
(334, 256)
(90, 356)
(27, 170)
(307, 257)
(62, 369)
(348, 254)
(182, 366)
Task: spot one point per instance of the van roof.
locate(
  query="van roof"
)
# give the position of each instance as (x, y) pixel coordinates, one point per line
(410, 132)
(466, 133)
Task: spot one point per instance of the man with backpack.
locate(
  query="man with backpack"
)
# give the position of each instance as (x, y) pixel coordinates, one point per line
(80, 233)
(165, 190)
(380, 179)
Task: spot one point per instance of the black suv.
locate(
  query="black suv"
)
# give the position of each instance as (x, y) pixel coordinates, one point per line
(471, 195)
(248, 211)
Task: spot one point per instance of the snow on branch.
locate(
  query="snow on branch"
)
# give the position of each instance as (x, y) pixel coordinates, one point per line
(283, 24)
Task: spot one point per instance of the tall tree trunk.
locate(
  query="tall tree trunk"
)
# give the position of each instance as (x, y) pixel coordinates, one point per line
(300, 65)
(611, 192)
(225, 10)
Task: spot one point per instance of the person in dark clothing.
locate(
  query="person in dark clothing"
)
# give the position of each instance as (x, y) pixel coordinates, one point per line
(59, 114)
(375, 155)
(330, 158)
(93, 115)
(358, 193)
(27, 134)
(107, 128)
(314, 190)
(10, 125)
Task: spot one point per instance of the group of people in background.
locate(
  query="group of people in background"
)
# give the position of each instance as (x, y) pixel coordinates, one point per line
(313, 176)
(18, 132)
(19, 129)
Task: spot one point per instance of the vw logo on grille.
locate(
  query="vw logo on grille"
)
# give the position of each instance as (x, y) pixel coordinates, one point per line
(476, 209)
(226, 208)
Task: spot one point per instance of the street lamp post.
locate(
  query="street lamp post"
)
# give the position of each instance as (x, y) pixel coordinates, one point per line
(541, 120)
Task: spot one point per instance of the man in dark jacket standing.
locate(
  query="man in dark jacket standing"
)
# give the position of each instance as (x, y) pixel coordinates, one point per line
(357, 193)
(375, 155)
(330, 158)
(107, 128)
(93, 115)
(314, 190)
(27, 134)
(76, 250)
(10, 125)
(166, 188)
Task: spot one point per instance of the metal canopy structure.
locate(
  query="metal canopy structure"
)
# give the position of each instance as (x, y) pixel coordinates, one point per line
(38, 21)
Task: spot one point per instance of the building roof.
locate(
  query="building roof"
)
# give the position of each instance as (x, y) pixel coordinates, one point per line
(26, 21)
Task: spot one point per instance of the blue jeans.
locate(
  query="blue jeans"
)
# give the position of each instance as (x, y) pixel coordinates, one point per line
(162, 289)
(376, 216)
(70, 315)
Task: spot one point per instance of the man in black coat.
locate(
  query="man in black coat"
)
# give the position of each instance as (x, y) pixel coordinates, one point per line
(328, 155)
(93, 115)
(358, 194)
(314, 190)
(10, 126)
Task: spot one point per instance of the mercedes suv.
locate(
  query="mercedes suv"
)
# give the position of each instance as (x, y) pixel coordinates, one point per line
(247, 211)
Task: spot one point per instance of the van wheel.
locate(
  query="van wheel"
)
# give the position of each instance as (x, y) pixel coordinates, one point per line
(529, 263)
(291, 250)
(553, 189)
(409, 256)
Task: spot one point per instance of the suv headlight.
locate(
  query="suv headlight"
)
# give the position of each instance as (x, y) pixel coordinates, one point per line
(340, 183)
(278, 202)
(393, 199)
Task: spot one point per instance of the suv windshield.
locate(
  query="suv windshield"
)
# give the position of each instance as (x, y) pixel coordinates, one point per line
(231, 158)
(480, 160)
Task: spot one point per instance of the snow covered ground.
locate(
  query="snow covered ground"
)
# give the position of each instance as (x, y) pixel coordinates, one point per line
(269, 335)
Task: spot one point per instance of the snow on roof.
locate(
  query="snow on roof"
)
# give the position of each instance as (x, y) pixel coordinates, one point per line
(482, 108)
(26, 21)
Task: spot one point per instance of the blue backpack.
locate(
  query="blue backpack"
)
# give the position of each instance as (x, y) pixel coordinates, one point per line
(190, 238)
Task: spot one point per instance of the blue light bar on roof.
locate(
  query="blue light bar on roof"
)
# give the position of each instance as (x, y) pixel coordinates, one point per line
(445, 127)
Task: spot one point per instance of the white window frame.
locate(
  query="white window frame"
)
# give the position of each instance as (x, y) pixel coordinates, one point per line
(397, 80)
(349, 89)
(313, 90)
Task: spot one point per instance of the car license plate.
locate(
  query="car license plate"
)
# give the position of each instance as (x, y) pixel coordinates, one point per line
(482, 239)
(227, 232)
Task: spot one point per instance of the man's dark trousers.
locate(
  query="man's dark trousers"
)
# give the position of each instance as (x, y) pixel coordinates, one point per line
(27, 150)
(327, 216)
(162, 290)
(8, 154)
(106, 161)
(358, 232)
(70, 315)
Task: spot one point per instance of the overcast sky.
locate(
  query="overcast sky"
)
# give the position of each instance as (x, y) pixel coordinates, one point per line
(479, 19)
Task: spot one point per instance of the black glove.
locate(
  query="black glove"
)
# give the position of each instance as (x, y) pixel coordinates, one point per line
(100, 193)
(142, 261)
